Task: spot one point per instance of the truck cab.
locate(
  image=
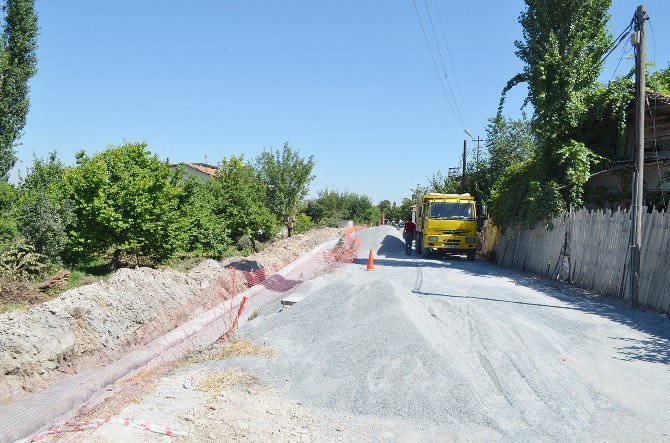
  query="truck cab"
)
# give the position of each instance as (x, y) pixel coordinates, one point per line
(446, 223)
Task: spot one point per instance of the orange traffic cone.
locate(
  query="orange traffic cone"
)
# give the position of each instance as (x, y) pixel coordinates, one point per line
(371, 262)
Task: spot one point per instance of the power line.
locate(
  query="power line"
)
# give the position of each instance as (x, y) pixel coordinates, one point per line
(620, 38)
(444, 68)
(451, 63)
(435, 64)
(616, 69)
(620, 8)
(381, 181)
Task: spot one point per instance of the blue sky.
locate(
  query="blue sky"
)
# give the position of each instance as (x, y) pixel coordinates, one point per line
(350, 82)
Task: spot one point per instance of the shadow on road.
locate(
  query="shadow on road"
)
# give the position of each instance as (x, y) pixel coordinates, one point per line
(655, 349)
(497, 300)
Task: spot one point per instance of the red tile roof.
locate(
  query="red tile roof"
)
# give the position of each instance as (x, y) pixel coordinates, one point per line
(203, 167)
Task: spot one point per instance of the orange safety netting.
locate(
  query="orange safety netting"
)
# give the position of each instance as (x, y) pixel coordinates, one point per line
(229, 285)
(344, 251)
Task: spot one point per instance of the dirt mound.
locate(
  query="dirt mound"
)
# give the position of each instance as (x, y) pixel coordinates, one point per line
(93, 324)
(20, 293)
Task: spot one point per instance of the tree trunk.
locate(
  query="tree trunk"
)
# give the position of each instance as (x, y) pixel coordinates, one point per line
(116, 260)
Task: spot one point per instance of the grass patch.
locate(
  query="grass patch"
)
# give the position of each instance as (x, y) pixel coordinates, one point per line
(234, 348)
(91, 272)
(214, 381)
(80, 278)
(6, 306)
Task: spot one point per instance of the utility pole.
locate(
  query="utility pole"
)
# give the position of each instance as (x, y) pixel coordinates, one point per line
(463, 177)
(478, 140)
(638, 170)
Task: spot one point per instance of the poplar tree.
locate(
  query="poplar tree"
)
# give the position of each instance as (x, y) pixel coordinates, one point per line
(563, 46)
(17, 65)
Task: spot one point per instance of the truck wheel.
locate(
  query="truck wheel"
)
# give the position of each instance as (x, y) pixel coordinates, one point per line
(418, 242)
(472, 255)
(425, 253)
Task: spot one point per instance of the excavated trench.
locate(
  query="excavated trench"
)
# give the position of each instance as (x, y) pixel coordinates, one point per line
(70, 352)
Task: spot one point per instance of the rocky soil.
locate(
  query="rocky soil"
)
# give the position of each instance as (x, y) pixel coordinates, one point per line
(93, 324)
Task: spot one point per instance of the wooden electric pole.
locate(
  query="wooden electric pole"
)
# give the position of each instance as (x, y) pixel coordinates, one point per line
(463, 177)
(478, 140)
(638, 170)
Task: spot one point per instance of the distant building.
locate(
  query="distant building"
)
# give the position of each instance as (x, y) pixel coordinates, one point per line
(611, 188)
(203, 171)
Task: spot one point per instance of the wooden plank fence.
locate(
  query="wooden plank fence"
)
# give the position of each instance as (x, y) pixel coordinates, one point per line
(590, 249)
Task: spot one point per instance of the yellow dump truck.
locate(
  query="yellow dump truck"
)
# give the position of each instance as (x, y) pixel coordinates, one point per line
(446, 223)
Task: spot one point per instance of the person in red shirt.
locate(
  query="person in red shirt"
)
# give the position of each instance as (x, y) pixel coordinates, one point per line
(408, 234)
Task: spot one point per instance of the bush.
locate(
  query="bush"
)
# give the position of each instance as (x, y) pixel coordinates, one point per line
(43, 213)
(44, 224)
(302, 223)
(533, 191)
(20, 261)
(8, 228)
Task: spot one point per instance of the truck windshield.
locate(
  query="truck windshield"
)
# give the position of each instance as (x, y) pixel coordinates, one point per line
(451, 211)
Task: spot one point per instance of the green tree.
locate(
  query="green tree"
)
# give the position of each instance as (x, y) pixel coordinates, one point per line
(242, 201)
(126, 205)
(359, 207)
(508, 142)
(445, 184)
(564, 41)
(406, 209)
(44, 212)
(385, 207)
(17, 65)
(394, 213)
(659, 81)
(205, 228)
(372, 216)
(330, 207)
(8, 199)
(287, 177)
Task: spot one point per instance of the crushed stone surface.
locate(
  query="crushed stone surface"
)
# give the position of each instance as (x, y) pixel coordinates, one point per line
(95, 323)
(438, 349)
(245, 409)
(466, 350)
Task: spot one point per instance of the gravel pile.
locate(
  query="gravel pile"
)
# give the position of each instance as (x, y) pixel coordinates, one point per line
(101, 321)
(450, 346)
(360, 349)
